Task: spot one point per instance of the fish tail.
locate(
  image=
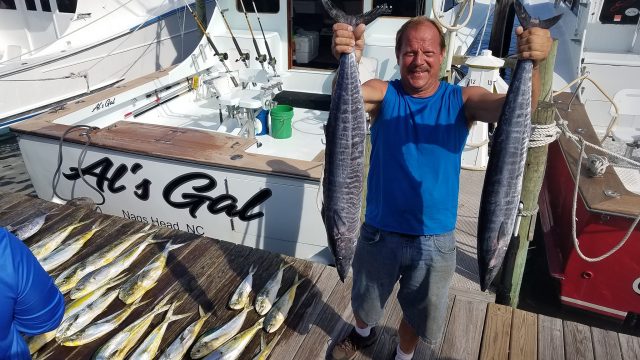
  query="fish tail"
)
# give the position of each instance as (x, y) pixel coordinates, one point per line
(171, 246)
(340, 16)
(527, 21)
(252, 269)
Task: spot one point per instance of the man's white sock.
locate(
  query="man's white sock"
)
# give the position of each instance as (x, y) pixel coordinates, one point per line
(363, 332)
(400, 355)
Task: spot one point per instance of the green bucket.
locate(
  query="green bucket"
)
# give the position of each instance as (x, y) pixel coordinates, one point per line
(281, 121)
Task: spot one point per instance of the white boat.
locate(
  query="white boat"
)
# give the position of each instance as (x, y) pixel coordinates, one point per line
(177, 148)
(52, 51)
(598, 67)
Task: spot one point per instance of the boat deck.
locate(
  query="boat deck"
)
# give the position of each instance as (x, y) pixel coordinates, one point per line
(206, 271)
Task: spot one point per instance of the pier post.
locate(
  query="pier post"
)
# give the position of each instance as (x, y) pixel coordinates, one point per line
(514, 263)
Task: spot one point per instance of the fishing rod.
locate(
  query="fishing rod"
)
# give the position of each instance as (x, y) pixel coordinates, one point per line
(221, 56)
(272, 60)
(243, 56)
(260, 57)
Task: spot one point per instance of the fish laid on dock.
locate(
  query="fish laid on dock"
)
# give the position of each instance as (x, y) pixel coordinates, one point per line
(28, 228)
(38, 341)
(119, 345)
(214, 338)
(146, 278)
(181, 344)
(265, 350)
(45, 246)
(150, 345)
(503, 181)
(240, 297)
(66, 250)
(70, 277)
(81, 319)
(278, 313)
(344, 154)
(96, 278)
(233, 348)
(267, 296)
(104, 326)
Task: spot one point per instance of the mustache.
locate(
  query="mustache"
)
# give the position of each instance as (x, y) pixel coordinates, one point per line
(422, 68)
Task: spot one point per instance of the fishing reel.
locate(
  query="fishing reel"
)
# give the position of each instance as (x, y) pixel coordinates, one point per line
(223, 56)
(261, 59)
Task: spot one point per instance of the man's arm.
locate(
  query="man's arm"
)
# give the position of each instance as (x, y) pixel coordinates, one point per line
(482, 105)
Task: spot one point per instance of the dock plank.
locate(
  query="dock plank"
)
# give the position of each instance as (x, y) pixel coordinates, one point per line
(331, 322)
(606, 344)
(497, 328)
(524, 340)
(550, 338)
(312, 305)
(465, 327)
(629, 346)
(577, 341)
(387, 328)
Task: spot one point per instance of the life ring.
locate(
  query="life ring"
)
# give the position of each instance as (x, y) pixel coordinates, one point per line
(636, 286)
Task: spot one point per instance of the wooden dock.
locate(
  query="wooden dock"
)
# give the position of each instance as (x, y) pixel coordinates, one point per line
(205, 272)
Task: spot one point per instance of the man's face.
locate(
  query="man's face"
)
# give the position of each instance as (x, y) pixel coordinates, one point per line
(420, 59)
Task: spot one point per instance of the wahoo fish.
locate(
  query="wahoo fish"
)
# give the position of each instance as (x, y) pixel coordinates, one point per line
(150, 345)
(119, 345)
(146, 278)
(38, 341)
(25, 230)
(45, 246)
(213, 338)
(104, 326)
(240, 297)
(181, 344)
(267, 296)
(65, 251)
(96, 278)
(70, 277)
(344, 153)
(265, 350)
(232, 349)
(503, 181)
(278, 313)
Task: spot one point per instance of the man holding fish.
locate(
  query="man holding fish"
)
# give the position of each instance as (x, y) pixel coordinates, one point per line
(419, 125)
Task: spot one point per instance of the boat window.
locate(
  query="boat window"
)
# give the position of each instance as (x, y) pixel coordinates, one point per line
(263, 6)
(7, 4)
(66, 6)
(410, 8)
(45, 5)
(31, 5)
(620, 12)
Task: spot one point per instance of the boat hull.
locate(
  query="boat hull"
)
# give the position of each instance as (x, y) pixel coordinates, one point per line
(266, 211)
(610, 287)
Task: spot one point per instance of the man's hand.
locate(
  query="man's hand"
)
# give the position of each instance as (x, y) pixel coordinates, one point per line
(533, 44)
(346, 40)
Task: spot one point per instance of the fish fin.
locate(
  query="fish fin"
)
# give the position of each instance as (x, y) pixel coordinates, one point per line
(248, 307)
(201, 311)
(527, 21)
(151, 240)
(170, 246)
(337, 14)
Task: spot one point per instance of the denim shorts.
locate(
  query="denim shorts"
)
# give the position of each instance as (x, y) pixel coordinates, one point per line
(424, 265)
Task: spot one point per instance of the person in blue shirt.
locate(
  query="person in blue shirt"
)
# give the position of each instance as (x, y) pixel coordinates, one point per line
(419, 126)
(30, 302)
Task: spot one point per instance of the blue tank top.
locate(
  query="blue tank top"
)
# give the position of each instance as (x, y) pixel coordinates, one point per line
(416, 149)
(30, 302)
